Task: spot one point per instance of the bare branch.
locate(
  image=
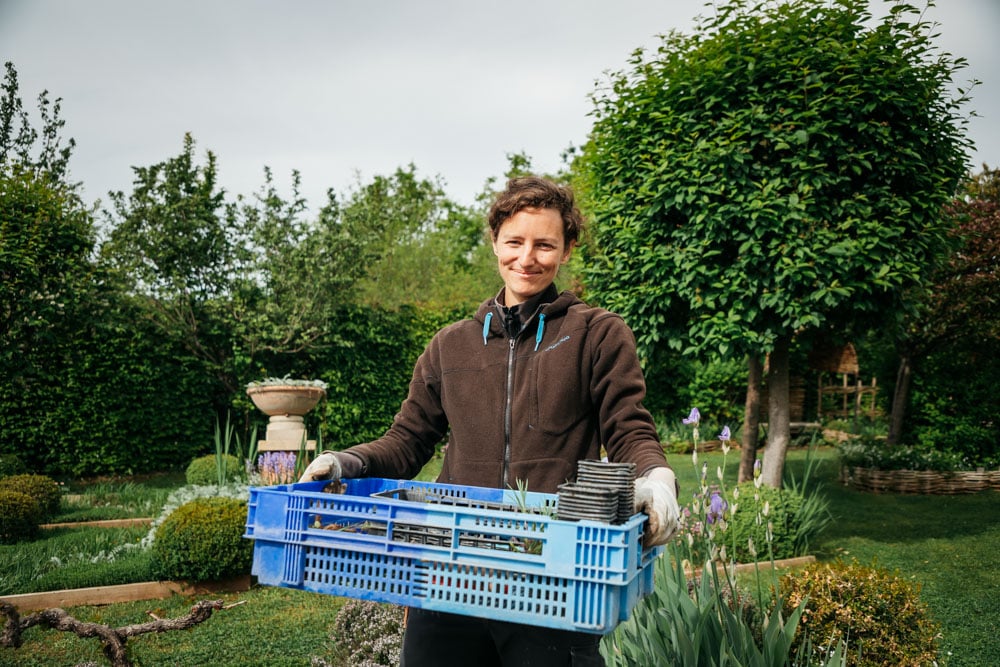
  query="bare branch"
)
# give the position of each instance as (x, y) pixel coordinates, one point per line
(112, 639)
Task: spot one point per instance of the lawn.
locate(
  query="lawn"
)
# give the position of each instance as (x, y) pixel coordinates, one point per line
(945, 543)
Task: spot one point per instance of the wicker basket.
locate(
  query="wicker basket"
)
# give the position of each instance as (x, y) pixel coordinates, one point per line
(930, 482)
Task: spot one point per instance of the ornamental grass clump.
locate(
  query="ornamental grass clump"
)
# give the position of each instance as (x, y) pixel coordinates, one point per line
(878, 612)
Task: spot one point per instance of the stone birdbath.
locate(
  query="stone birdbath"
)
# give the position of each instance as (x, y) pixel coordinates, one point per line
(286, 402)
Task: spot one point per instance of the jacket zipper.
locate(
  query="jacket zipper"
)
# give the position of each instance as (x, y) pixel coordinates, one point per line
(504, 482)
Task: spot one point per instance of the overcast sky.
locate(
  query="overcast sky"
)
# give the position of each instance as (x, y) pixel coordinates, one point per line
(347, 87)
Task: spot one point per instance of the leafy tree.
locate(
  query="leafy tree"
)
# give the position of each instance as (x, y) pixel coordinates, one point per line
(778, 172)
(46, 238)
(68, 345)
(425, 248)
(170, 246)
(19, 139)
(962, 303)
(296, 272)
(248, 285)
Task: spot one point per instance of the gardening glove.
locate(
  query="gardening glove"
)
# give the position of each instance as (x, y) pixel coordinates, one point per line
(656, 495)
(333, 465)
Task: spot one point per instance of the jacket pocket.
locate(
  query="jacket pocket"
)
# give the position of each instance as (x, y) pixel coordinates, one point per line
(559, 392)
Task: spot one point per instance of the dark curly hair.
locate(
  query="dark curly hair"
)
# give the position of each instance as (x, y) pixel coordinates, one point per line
(535, 192)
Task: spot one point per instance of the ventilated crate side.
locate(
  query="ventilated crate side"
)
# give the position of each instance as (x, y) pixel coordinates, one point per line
(463, 558)
(517, 597)
(524, 542)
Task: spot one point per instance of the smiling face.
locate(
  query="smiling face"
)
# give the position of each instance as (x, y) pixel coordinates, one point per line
(530, 247)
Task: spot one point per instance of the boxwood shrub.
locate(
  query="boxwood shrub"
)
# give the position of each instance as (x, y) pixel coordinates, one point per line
(878, 613)
(202, 540)
(44, 490)
(19, 516)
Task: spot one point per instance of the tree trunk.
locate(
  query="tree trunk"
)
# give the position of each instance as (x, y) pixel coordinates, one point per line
(751, 418)
(778, 422)
(900, 398)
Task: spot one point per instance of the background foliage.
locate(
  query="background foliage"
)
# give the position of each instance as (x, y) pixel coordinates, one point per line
(127, 333)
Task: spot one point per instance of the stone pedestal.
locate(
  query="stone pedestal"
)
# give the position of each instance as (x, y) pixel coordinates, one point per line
(285, 405)
(285, 433)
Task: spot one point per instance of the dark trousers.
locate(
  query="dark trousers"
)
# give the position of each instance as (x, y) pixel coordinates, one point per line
(436, 639)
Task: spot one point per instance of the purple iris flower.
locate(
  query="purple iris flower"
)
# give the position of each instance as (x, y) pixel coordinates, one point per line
(693, 418)
(725, 435)
(756, 468)
(276, 467)
(716, 507)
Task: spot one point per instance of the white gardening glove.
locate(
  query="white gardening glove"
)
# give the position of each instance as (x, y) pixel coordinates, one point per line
(325, 466)
(335, 465)
(656, 495)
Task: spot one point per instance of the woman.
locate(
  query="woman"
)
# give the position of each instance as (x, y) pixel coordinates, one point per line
(536, 381)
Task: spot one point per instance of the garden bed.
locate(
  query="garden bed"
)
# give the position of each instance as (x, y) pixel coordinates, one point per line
(930, 482)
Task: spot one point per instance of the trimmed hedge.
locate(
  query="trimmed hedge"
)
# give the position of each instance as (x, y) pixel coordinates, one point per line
(112, 396)
(203, 471)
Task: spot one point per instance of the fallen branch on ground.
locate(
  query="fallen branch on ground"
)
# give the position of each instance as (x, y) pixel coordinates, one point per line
(113, 639)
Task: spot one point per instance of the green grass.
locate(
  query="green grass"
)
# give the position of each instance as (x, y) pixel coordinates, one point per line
(948, 544)
(75, 557)
(273, 627)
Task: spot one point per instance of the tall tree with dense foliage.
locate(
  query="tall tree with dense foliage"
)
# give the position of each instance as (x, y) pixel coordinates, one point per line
(67, 349)
(779, 171)
(46, 233)
(296, 270)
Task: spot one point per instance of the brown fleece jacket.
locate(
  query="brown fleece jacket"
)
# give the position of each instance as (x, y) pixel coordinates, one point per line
(523, 409)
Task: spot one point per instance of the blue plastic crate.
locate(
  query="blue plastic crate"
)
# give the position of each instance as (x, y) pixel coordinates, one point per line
(472, 551)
